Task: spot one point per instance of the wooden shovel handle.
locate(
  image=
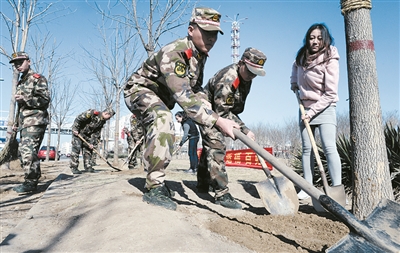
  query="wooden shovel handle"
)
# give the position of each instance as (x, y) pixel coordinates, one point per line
(313, 144)
(264, 166)
(134, 148)
(104, 159)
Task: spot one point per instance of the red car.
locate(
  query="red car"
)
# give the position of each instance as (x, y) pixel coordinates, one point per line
(52, 153)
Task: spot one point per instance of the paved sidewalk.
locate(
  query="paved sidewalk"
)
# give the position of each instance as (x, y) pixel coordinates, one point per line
(104, 212)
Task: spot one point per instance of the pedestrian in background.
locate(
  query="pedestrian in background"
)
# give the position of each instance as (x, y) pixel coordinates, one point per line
(190, 133)
(33, 97)
(173, 75)
(315, 75)
(87, 124)
(227, 91)
(135, 141)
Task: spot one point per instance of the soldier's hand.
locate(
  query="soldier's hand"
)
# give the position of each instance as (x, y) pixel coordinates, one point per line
(91, 146)
(75, 133)
(294, 87)
(226, 126)
(19, 98)
(251, 135)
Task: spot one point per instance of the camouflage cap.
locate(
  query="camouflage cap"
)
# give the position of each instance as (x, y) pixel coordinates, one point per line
(254, 60)
(19, 56)
(110, 111)
(207, 18)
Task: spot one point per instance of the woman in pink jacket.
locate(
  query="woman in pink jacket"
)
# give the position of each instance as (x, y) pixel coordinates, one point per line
(315, 73)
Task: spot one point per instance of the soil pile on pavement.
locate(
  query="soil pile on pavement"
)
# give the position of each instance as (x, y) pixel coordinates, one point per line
(104, 212)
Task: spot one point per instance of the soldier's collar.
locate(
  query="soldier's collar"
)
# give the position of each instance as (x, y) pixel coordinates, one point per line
(199, 56)
(194, 53)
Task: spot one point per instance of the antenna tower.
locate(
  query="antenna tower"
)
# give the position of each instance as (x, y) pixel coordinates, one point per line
(235, 37)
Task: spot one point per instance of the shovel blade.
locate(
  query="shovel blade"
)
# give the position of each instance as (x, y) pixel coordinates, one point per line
(384, 222)
(278, 196)
(336, 193)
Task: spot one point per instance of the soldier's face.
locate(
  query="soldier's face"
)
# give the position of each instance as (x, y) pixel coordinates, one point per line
(203, 40)
(22, 65)
(106, 115)
(245, 73)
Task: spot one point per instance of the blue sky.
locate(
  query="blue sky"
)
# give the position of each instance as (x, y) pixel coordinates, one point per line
(275, 27)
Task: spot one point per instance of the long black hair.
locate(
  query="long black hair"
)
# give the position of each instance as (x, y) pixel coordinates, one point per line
(327, 41)
(181, 114)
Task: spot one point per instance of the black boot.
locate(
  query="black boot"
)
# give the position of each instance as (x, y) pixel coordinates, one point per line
(228, 201)
(27, 186)
(75, 171)
(160, 196)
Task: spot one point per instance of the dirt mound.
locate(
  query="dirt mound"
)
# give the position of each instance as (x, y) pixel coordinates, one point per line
(252, 227)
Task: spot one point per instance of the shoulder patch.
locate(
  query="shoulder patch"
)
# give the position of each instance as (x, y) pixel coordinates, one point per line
(236, 83)
(180, 69)
(36, 75)
(189, 53)
(96, 112)
(230, 99)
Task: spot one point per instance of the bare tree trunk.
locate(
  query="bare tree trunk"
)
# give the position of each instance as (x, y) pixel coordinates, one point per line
(370, 162)
(106, 137)
(11, 113)
(116, 128)
(48, 136)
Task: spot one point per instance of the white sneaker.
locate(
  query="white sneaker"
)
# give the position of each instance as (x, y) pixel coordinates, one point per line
(302, 195)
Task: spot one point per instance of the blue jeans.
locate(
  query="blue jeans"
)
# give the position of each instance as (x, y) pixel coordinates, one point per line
(328, 139)
(192, 151)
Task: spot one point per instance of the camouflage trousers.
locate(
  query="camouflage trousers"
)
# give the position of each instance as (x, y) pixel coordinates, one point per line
(30, 141)
(159, 129)
(211, 168)
(136, 158)
(160, 133)
(77, 147)
(94, 156)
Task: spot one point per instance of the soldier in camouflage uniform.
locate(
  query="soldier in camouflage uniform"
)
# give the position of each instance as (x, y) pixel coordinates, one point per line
(32, 96)
(173, 75)
(227, 91)
(134, 138)
(87, 124)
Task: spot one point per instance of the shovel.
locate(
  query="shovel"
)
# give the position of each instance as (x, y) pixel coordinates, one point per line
(277, 193)
(104, 159)
(335, 192)
(379, 232)
(10, 149)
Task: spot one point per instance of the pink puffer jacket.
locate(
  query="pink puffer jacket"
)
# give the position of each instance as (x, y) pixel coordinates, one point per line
(318, 83)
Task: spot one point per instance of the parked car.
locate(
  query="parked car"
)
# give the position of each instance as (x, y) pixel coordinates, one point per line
(52, 153)
(2, 142)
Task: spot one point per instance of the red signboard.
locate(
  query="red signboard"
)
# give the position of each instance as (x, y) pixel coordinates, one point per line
(243, 158)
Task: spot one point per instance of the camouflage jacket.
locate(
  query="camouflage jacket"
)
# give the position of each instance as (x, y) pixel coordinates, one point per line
(89, 125)
(33, 110)
(227, 92)
(175, 74)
